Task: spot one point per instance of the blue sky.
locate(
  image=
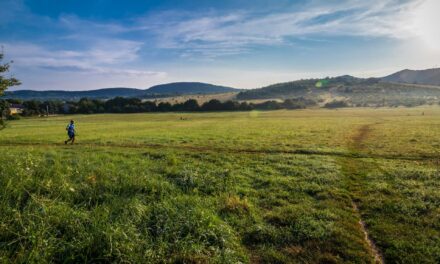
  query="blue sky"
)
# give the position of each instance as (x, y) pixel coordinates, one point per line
(80, 45)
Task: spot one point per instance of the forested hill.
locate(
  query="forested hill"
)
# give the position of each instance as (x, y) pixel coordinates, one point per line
(75, 95)
(308, 87)
(409, 83)
(189, 88)
(426, 77)
(182, 88)
(357, 91)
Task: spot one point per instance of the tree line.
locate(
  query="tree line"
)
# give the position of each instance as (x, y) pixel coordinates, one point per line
(135, 105)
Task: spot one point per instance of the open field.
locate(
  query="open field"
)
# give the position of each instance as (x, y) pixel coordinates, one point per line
(307, 186)
(201, 98)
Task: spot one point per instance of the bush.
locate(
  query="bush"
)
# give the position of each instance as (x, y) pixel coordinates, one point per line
(13, 117)
(336, 104)
(298, 103)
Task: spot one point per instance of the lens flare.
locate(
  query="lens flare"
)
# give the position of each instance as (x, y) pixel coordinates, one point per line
(321, 83)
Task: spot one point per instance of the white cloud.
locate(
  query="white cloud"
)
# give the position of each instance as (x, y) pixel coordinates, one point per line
(105, 57)
(88, 27)
(108, 53)
(226, 34)
(213, 34)
(99, 66)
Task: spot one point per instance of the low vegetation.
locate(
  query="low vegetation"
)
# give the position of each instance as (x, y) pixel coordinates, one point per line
(231, 187)
(336, 104)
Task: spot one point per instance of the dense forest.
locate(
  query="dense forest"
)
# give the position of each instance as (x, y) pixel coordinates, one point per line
(136, 105)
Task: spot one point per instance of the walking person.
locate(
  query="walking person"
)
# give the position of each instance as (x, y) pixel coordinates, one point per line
(70, 132)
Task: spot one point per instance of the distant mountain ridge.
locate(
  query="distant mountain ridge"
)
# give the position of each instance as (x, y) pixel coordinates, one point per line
(354, 91)
(169, 89)
(406, 85)
(189, 88)
(75, 95)
(426, 77)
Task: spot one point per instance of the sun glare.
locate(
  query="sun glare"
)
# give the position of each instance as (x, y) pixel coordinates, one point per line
(427, 23)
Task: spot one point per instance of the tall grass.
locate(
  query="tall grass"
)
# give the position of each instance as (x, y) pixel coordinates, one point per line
(155, 189)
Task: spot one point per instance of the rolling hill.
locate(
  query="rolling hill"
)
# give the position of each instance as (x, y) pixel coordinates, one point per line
(405, 87)
(180, 88)
(426, 77)
(170, 89)
(355, 91)
(74, 95)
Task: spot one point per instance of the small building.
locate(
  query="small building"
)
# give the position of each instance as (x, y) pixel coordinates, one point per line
(16, 109)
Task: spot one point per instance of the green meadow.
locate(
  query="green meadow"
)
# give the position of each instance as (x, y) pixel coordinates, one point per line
(305, 186)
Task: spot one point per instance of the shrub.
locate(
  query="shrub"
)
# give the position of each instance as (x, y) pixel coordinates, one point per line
(336, 104)
(13, 117)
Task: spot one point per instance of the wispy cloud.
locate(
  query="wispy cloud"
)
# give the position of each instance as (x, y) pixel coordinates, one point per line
(225, 34)
(95, 47)
(133, 50)
(214, 33)
(103, 58)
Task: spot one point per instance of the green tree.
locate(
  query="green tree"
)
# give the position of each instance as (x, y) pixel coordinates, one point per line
(191, 105)
(4, 111)
(5, 83)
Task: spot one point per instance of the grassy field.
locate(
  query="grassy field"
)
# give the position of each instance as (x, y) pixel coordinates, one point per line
(305, 186)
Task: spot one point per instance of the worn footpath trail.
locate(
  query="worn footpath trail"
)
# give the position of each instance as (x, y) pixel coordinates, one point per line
(355, 171)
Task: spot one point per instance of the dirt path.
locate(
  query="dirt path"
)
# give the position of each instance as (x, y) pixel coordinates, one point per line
(361, 135)
(355, 169)
(372, 246)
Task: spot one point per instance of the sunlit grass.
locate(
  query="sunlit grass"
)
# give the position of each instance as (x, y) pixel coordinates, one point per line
(222, 187)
